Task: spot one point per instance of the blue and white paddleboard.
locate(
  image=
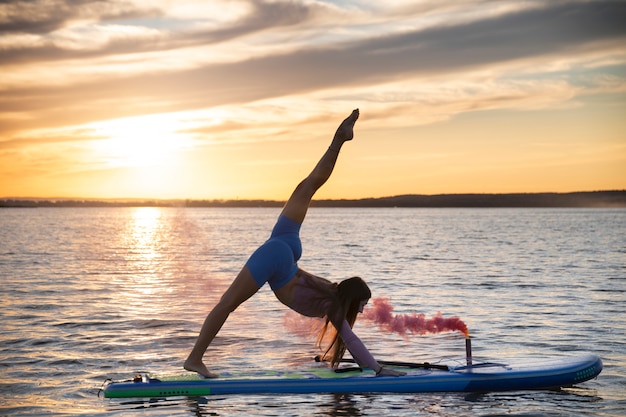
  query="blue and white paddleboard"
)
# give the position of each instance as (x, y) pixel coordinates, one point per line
(481, 377)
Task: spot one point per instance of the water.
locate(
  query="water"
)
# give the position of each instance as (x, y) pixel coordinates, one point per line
(95, 293)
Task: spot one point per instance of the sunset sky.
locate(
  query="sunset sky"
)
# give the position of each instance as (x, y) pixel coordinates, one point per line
(227, 99)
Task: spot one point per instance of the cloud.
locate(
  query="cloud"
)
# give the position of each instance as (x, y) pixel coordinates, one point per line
(58, 22)
(134, 72)
(45, 16)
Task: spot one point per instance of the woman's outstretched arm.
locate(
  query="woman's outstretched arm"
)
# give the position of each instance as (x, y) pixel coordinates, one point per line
(298, 204)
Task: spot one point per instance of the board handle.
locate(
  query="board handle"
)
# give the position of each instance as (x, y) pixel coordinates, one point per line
(412, 365)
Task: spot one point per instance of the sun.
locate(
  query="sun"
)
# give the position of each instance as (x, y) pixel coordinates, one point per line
(141, 141)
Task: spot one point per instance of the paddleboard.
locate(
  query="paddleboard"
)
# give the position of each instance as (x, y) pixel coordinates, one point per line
(480, 377)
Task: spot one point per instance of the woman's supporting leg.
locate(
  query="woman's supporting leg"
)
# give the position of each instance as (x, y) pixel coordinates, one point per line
(242, 288)
(298, 204)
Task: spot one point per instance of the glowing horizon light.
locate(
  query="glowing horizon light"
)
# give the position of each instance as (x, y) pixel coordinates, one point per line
(139, 141)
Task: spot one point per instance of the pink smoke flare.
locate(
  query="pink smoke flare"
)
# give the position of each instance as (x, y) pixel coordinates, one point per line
(301, 326)
(381, 314)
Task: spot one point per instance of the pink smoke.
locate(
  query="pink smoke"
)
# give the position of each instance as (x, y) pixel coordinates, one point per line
(301, 326)
(418, 324)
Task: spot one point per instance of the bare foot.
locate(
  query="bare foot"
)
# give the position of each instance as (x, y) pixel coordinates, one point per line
(345, 130)
(199, 368)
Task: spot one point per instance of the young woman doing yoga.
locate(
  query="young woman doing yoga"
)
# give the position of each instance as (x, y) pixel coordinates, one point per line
(275, 262)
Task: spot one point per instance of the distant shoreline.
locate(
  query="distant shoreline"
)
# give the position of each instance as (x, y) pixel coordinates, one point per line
(583, 199)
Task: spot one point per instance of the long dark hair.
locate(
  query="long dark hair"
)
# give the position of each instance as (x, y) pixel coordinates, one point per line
(350, 293)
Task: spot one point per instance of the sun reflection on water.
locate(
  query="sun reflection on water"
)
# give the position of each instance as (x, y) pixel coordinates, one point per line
(144, 239)
(144, 233)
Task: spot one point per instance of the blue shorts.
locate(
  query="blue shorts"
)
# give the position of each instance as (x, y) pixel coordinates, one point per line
(276, 260)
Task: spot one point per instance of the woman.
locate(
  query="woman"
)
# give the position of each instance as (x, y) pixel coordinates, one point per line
(275, 262)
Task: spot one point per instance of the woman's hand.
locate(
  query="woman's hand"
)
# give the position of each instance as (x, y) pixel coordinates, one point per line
(389, 372)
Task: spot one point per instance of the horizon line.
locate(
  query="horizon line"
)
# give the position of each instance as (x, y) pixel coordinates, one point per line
(121, 199)
(580, 199)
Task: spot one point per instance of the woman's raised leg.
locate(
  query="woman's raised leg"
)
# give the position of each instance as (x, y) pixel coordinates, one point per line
(243, 287)
(298, 204)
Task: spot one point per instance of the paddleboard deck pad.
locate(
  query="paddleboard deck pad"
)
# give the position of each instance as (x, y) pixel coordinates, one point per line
(480, 377)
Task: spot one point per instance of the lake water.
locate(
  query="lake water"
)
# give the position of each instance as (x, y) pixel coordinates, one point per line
(94, 293)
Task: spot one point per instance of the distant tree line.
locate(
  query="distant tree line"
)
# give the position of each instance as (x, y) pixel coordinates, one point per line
(616, 198)
(577, 199)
